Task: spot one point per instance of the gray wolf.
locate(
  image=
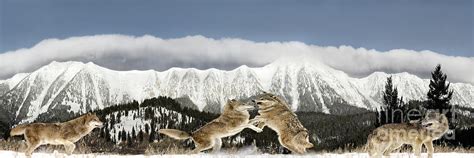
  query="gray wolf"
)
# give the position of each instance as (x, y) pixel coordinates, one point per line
(275, 113)
(390, 137)
(233, 120)
(66, 133)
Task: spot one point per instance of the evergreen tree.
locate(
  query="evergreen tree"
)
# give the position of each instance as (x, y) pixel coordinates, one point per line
(140, 135)
(107, 134)
(152, 136)
(439, 94)
(124, 135)
(152, 130)
(129, 140)
(390, 95)
(112, 119)
(392, 111)
(102, 132)
(147, 128)
(133, 133)
(119, 115)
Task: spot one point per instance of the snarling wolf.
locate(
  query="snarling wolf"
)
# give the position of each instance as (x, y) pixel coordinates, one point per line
(390, 137)
(233, 120)
(275, 113)
(66, 133)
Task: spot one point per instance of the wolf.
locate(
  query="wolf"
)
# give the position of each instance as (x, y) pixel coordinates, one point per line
(390, 137)
(233, 120)
(275, 113)
(66, 133)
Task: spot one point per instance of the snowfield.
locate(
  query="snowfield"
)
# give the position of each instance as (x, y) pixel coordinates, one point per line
(79, 87)
(12, 154)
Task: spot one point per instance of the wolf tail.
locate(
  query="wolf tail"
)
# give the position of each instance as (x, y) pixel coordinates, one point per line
(176, 134)
(18, 130)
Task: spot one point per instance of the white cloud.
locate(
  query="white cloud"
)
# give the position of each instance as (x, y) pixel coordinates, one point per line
(123, 52)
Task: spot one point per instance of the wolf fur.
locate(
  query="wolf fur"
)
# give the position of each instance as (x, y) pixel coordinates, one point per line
(233, 120)
(390, 137)
(275, 113)
(66, 133)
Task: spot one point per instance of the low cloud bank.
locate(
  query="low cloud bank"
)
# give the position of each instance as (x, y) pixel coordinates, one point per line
(122, 52)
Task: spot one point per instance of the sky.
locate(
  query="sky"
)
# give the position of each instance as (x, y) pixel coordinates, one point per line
(444, 28)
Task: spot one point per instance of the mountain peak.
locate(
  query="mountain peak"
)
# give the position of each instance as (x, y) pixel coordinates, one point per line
(306, 84)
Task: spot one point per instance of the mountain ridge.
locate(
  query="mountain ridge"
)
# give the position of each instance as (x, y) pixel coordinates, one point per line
(307, 86)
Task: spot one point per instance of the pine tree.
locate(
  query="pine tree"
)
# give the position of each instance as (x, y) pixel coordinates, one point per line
(124, 135)
(133, 133)
(119, 115)
(439, 94)
(147, 128)
(107, 134)
(152, 136)
(129, 140)
(392, 112)
(140, 135)
(102, 132)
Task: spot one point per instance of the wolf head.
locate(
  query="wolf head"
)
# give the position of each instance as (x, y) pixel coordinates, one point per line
(238, 106)
(266, 100)
(434, 121)
(91, 120)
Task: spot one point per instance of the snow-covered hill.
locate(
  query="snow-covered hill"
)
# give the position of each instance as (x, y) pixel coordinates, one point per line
(76, 87)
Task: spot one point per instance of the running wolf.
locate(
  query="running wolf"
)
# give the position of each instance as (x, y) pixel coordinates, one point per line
(389, 137)
(275, 113)
(233, 120)
(66, 133)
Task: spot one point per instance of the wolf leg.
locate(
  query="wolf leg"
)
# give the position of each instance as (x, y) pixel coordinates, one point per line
(32, 142)
(261, 125)
(301, 139)
(255, 120)
(429, 148)
(69, 147)
(253, 127)
(289, 144)
(294, 149)
(417, 149)
(391, 148)
(217, 145)
(378, 149)
(203, 144)
(259, 121)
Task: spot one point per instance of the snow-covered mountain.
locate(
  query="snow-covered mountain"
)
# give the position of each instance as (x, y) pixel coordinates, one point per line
(71, 87)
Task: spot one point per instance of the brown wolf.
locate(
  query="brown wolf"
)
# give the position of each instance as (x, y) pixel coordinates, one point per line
(233, 120)
(275, 113)
(66, 133)
(389, 137)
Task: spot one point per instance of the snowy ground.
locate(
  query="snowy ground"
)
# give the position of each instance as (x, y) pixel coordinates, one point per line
(12, 154)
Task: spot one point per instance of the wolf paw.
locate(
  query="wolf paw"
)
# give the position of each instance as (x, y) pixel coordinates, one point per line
(258, 130)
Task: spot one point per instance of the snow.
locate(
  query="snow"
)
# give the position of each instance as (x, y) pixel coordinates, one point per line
(213, 86)
(12, 82)
(56, 154)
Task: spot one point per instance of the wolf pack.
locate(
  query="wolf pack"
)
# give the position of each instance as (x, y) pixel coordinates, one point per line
(273, 112)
